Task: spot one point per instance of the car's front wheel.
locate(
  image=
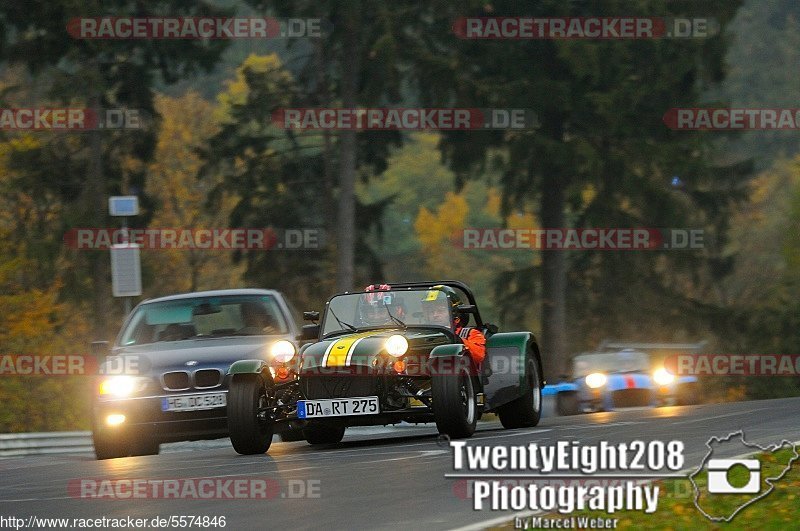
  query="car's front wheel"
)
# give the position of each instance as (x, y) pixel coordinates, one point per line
(455, 402)
(108, 446)
(525, 411)
(249, 424)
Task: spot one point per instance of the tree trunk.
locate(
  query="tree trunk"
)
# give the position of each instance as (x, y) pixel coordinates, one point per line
(345, 236)
(554, 283)
(323, 99)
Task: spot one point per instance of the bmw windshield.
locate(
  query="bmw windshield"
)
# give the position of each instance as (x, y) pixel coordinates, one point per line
(204, 317)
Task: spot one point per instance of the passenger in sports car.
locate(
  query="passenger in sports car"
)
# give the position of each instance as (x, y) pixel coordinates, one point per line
(435, 306)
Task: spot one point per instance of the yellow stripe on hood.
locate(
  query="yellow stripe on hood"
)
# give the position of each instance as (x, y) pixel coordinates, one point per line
(337, 355)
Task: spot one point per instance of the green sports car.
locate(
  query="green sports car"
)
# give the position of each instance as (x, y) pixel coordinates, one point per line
(383, 357)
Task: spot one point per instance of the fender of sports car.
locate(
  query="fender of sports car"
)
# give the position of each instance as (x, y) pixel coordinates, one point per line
(507, 356)
(248, 367)
(448, 351)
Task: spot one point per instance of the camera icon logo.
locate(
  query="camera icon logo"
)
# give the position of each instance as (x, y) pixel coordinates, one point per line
(718, 476)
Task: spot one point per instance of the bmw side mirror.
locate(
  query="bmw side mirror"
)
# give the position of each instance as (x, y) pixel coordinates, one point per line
(311, 316)
(99, 349)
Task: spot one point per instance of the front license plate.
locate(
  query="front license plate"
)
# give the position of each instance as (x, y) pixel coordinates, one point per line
(193, 402)
(337, 407)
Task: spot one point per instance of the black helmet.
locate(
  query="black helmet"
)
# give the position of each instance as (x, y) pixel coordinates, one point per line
(453, 298)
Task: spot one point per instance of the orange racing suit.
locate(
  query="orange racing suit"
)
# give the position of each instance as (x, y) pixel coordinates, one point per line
(475, 342)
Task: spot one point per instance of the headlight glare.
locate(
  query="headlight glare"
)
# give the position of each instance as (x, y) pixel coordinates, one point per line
(663, 377)
(282, 351)
(596, 379)
(121, 386)
(115, 419)
(396, 345)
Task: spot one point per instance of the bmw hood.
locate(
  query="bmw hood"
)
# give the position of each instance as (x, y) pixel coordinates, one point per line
(156, 358)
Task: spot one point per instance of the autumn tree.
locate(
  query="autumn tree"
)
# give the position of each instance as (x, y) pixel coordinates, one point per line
(98, 74)
(179, 195)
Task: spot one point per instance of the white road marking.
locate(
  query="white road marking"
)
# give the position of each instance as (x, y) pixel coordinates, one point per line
(720, 416)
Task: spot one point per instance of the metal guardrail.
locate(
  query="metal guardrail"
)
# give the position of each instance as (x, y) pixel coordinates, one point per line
(59, 442)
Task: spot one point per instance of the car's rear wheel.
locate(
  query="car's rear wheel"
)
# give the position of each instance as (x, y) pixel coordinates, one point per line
(525, 411)
(250, 427)
(455, 402)
(323, 434)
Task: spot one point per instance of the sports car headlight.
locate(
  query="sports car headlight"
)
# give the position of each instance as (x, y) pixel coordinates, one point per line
(120, 386)
(282, 351)
(663, 377)
(596, 379)
(396, 345)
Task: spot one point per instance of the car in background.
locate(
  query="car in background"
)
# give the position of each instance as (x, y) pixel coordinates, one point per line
(603, 381)
(386, 357)
(164, 378)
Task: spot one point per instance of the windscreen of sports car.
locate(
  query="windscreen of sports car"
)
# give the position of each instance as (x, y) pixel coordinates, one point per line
(421, 308)
(448, 265)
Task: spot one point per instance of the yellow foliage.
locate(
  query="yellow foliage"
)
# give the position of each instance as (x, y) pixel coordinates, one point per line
(588, 194)
(493, 202)
(172, 179)
(237, 90)
(521, 220)
(437, 230)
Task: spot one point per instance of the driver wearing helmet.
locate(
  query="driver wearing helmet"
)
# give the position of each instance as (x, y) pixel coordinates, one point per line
(376, 305)
(436, 310)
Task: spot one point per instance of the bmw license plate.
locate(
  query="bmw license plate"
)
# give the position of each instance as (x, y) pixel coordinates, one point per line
(193, 402)
(337, 407)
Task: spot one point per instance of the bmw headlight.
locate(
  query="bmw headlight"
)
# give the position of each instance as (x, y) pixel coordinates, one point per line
(120, 386)
(663, 377)
(282, 351)
(596, 379)
(396, 345)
